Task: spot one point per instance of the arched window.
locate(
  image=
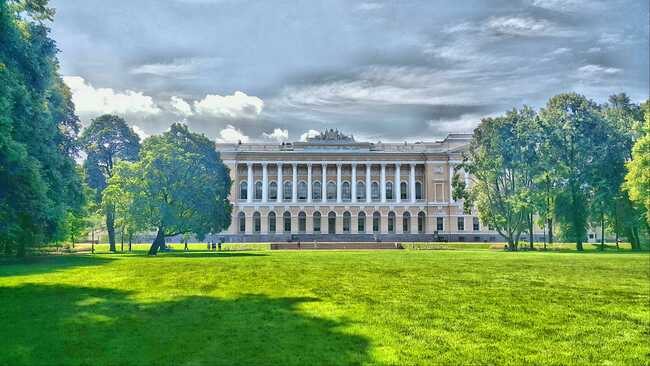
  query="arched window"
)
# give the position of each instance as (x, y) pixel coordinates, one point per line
(403, 191)
(347, 221)
(406, 223)
(317, 222)
(243, 190)
(302, 191)
(345, 192)
(418, 190)
(287, 191)
(391, 222)
(361, 222)
(316, 191)
(361, 191)
(374, 191)
(257, 223)
(286, 218)
(302, 222)
(258, 190)
(272, 222)
(273, 191)
(242, 222)
(376, 222)
(331, 222)
(421, 218)
(331, 191)
(389, 190)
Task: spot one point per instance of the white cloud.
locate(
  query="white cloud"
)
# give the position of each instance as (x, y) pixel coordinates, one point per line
(238, 105)
(309, 134)
(567, 5)
(369, 6)
(183, 67)
(278, 134)
(560, 51)
(230, 134)
(521, 26)
(140, 132)
(93, 101)
(594, 71)
(181, 106)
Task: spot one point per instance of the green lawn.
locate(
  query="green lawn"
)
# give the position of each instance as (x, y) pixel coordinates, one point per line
(327, 307)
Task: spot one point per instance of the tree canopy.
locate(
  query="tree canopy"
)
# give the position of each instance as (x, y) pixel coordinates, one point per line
(178, 186)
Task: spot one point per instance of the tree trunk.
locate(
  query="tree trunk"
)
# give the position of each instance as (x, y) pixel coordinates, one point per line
(130, 237)
(110, 227)
(550, 231)
(122, 240)
(159, 242)
(602, 230)
(530, 228)
(20, 249)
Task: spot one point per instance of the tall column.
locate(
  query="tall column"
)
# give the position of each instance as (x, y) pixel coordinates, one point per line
(309, 182)
(451, 174)
(265, 182)
(382, 183)
(249, 183)
(397, 186)
(323, 185)
(354, 182)
(294, 185)
(368, 183)
(279, 183)
(338, 182)
(412, 181)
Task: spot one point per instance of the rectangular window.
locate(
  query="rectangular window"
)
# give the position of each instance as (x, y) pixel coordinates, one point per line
(440, 224)
(361, 224)
(461, 223)
(476, 226)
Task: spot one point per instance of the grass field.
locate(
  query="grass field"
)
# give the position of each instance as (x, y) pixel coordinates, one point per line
(327, 308)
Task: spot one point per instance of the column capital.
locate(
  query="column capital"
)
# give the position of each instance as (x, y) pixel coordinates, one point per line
(339, 164)
(264, 164)
(354, 163)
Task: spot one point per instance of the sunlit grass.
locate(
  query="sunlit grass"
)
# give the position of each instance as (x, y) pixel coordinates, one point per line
(328, 307)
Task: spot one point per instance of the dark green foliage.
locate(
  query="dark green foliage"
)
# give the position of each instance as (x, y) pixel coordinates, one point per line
(38, 182)
(107, 140)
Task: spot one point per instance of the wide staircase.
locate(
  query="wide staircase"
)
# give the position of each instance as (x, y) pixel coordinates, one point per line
(296, 245)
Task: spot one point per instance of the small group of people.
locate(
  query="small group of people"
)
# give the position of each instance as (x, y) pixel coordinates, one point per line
(212, 246)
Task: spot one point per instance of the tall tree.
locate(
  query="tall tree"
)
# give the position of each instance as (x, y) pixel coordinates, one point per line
(178, 186)
(575, 136)
(500, 160)
(38, 127)
(107, 140)
(637, 180)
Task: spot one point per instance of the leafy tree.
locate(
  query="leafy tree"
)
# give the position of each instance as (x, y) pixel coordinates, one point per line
(576, 135)
(178, 186)
(637, 180)
(38, 182)
(500, 160)
(106, 141)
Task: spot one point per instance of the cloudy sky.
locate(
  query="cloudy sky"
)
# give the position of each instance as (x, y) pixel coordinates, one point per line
(381, 70)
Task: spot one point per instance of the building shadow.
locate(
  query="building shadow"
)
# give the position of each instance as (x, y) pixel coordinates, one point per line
(57, 325)
(199, 254)
(47, 263)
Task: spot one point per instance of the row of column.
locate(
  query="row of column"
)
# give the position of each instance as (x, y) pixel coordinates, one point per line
(368, 184)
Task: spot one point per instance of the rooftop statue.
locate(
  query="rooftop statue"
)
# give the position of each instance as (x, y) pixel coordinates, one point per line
(331, 135)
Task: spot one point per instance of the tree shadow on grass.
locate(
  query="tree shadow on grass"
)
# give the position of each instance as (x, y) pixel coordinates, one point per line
(47, 325)
(44, 264)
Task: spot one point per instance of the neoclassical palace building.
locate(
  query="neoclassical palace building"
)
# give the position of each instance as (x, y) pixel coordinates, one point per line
(334, 188)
